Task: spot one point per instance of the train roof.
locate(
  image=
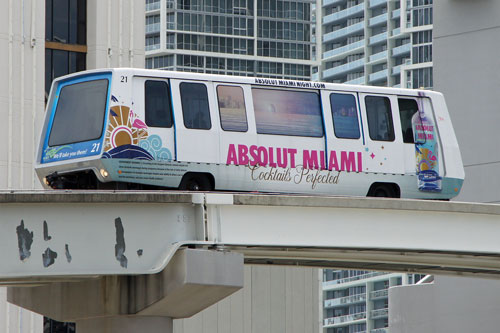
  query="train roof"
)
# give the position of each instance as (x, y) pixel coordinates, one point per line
(271, 82)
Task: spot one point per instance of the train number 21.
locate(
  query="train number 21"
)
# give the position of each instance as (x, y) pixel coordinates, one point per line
(95, 147)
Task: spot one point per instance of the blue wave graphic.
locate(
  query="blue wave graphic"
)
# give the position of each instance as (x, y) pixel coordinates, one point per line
(130, 152)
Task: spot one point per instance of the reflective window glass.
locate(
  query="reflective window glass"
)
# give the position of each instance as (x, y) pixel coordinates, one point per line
(379, 114)
(287, 112)
(157, 104)
(195, 109)
(345, 116)
(232, 108)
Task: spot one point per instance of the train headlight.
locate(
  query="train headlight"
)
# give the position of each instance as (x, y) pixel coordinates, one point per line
(104, 173)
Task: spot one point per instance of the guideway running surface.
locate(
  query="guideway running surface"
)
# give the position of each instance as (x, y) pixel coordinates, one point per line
(58, 235)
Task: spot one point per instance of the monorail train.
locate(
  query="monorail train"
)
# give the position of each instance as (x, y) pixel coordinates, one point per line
(140, 129)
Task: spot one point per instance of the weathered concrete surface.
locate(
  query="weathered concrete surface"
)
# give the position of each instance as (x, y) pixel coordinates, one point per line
(193, 280)
(125, 324)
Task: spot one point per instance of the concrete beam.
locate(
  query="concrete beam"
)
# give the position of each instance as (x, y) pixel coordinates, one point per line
(193, 280)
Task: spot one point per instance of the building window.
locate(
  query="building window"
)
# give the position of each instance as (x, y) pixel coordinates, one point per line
(65, 38)
(53, 326)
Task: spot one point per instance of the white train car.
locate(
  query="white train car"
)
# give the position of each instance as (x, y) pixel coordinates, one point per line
(134, 128)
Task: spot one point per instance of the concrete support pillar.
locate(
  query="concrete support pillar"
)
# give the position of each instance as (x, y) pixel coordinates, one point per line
(125, 324)
(192, 281)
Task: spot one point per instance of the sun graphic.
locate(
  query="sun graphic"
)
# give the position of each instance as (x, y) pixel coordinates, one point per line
(124, 128)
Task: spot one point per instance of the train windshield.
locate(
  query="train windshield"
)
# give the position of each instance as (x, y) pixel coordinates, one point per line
(80, 112)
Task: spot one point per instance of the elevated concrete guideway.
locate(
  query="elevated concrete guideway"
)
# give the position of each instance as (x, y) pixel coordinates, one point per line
(65, 235)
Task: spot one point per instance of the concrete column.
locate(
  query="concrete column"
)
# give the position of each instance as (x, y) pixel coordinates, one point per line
(192, 281)
(125, 324)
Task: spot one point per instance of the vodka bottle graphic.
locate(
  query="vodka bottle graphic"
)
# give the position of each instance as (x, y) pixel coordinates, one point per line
(426, 152)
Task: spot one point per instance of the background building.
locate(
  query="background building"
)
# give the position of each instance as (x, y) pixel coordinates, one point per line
(235, 37)
(377, 42)
(466, 44)
(358, 301)
(39, 41)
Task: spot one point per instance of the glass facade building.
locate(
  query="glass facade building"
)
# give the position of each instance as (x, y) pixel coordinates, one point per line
(356, 301)
(377, 42)
(263, 38)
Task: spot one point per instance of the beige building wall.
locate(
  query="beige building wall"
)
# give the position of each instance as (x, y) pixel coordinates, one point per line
(274, 299)
(117, 25)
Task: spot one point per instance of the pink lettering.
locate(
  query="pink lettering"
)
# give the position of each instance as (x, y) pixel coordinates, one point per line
(231, 155)
(292, 152)
(262, 156)
(347, 161)
(310, 159)
(242, 155)
(333, 163)
(271, 158)
(360, 162)
(282, 160)
(254, 155)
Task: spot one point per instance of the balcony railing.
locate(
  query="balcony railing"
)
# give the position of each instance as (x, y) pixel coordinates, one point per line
(152, 47)
(378, 56)
(378, 19)
(380, 330)
(396, 13)
(352, 278)
(342, 14)
(378, 38)
(152, 28)
(379, 293)
(346, 318)
(406, 48)
(396, 70)
(359, 80)
(330, 2)
(379, 313)
(344, 31)
(344, 68)
(152, 6)
(375, 3)
(396, 31)
(343, 49)
(378, 75)
(345, 300)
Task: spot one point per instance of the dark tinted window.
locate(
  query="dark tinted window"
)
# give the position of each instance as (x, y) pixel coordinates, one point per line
(195, 109)
(378, 112)
(66, 21)
(407, 108)
(79, 113)
(233, 116)
(287, 112)
(345, 116)
(157, 104)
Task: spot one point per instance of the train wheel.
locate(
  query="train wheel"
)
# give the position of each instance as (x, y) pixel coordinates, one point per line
(195, 182)
(383, 191)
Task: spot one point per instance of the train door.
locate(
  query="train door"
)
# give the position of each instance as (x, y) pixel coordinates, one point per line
(382, 133)
(196, 122)
(408, 109)
(344, 141)
(237, 124)
(153, 96)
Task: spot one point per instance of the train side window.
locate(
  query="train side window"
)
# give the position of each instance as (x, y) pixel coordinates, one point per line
(287, 112)
(345, 116)
(379, 114)
(158, 112)
(232, 112)
(407, 108)
(195, 109)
